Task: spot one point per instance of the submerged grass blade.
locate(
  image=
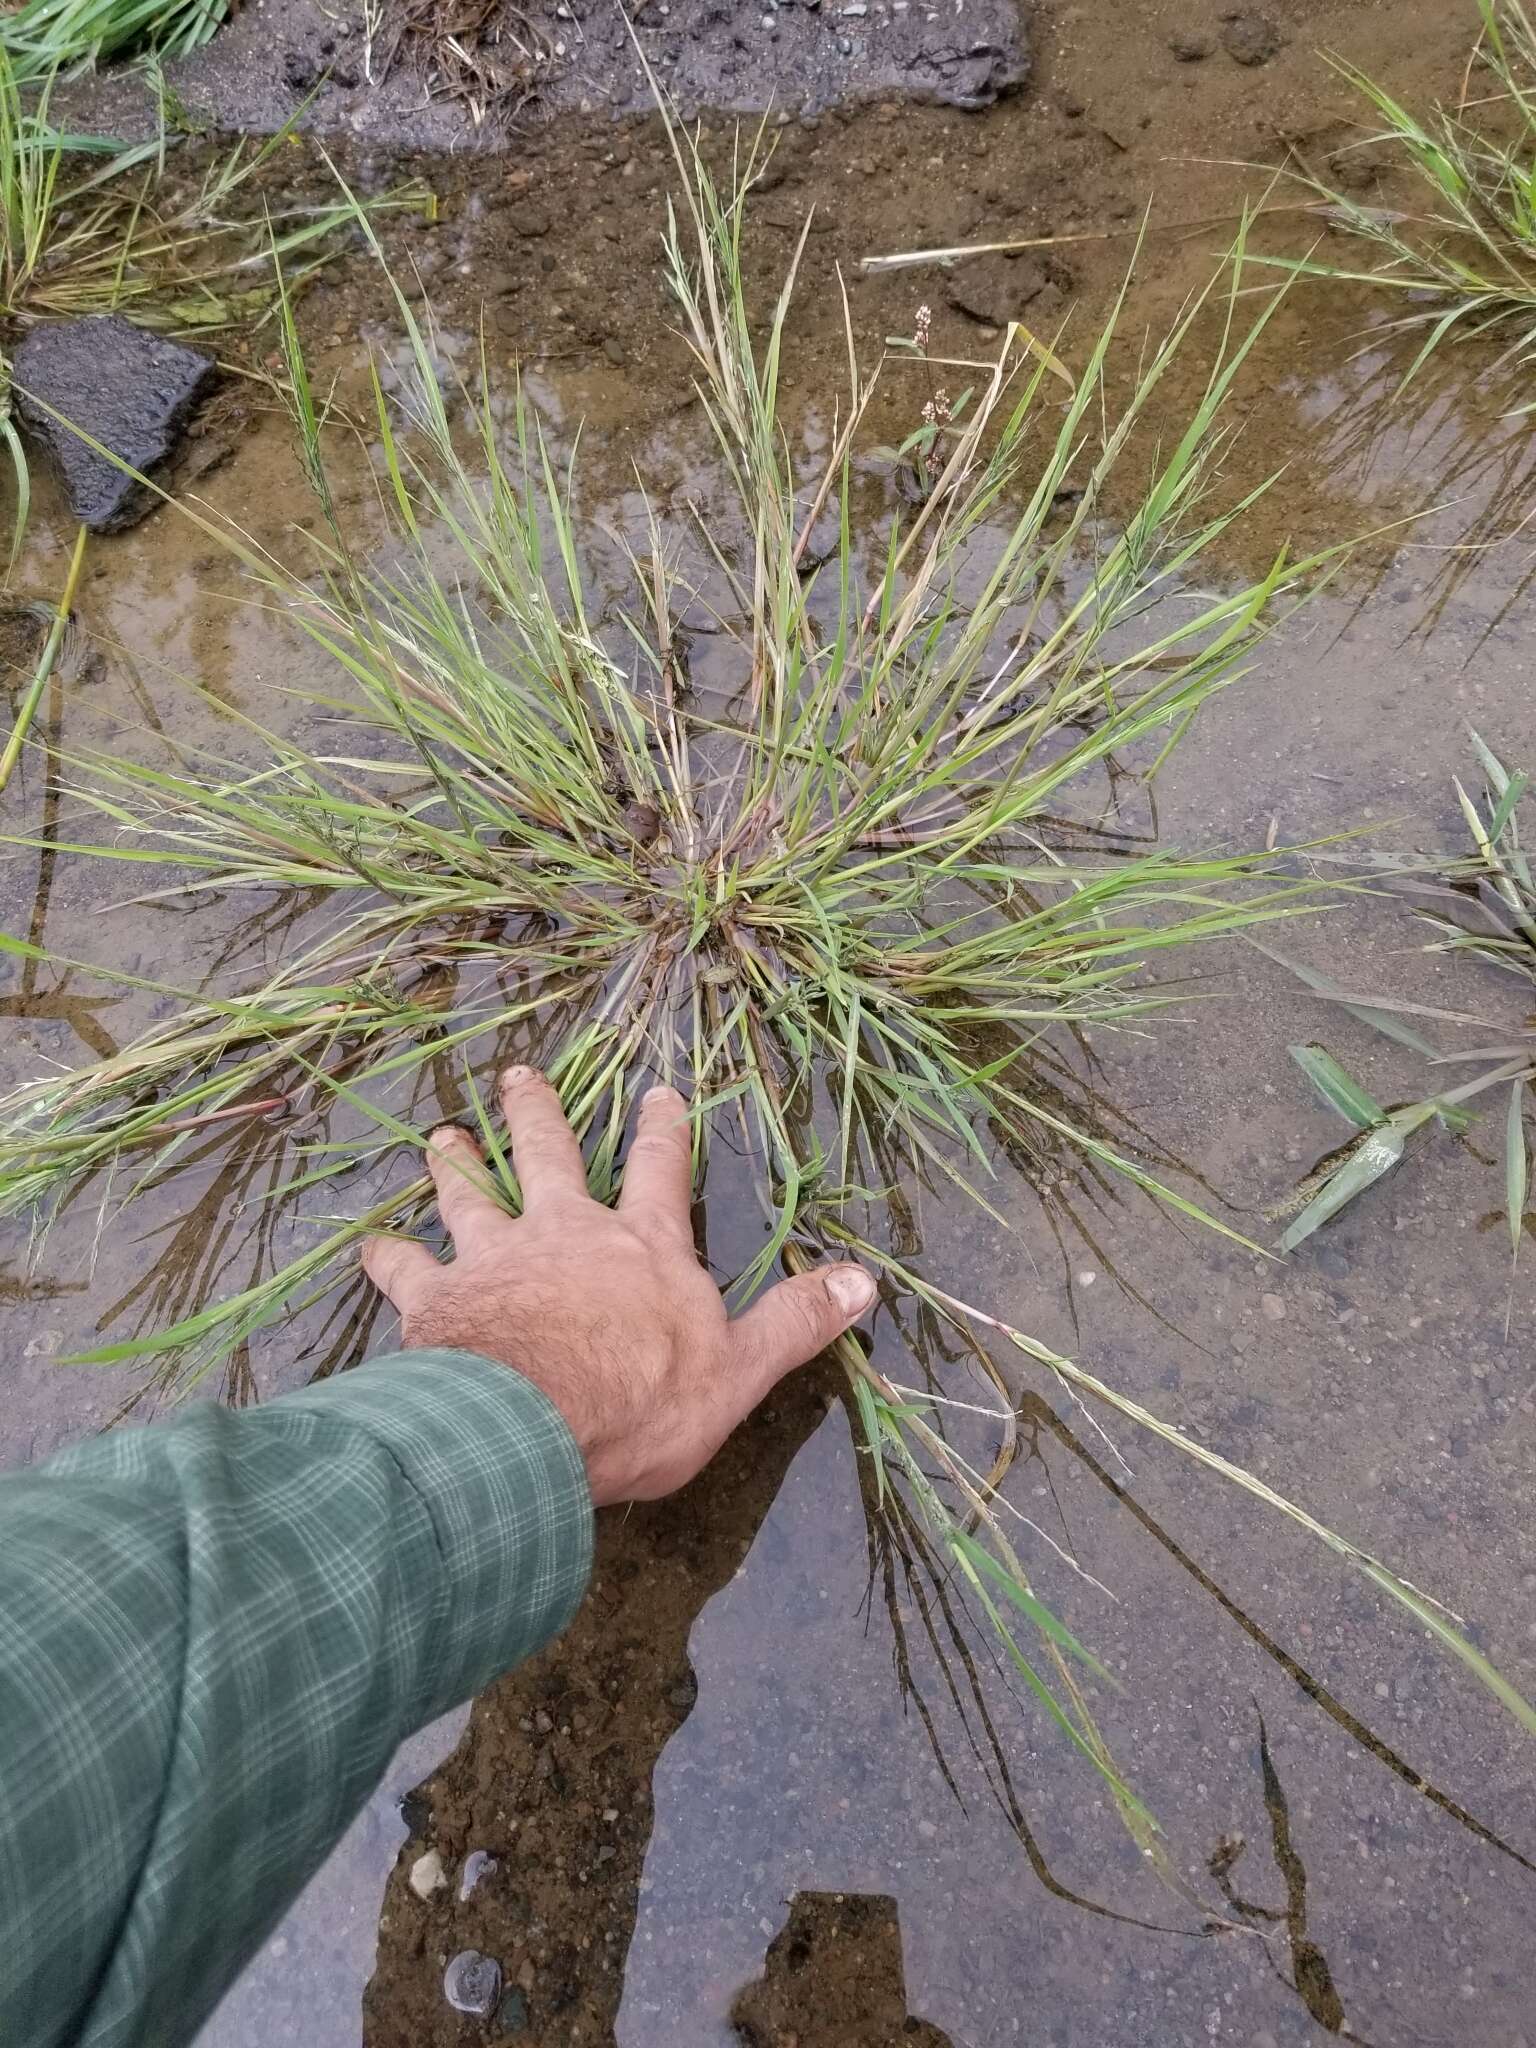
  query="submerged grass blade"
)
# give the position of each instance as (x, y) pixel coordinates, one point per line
(1444, 1626)
(1515, 1164)
(33, 695)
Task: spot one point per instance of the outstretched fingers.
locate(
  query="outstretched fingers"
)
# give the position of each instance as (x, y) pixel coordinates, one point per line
(400, 1268)
(469, 1210)
(657, 1196)
(545, 1154)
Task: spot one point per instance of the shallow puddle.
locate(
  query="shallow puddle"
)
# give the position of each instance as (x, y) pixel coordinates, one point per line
(772, 1787)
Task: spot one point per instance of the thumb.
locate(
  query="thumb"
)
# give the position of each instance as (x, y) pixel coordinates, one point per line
(788, 1325)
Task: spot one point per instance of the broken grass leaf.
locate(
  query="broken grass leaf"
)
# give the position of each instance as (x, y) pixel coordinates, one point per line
(1376, 1153)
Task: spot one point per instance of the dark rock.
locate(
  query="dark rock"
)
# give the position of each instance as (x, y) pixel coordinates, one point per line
(512, 2013)
(1250, 38)
(994, 289)
(415, 1810)
(1190, 49)
(976, 76)
(1354, 169)
(129, 390)
(710, 53)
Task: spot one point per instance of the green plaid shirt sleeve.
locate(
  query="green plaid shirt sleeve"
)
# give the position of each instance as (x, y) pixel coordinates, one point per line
(216, 1631)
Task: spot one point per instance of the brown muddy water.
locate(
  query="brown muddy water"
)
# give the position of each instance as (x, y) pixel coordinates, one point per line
(755, 1794)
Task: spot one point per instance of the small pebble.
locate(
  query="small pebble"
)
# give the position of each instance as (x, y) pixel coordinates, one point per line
(478, 1864)
(428, 1875)
(1251, 39)
(1273, 1307)
(472, 1983)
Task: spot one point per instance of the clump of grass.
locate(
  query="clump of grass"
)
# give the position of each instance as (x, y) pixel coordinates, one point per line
(43, 37)
(1464, 260)
(1483, 906)
(838, 897)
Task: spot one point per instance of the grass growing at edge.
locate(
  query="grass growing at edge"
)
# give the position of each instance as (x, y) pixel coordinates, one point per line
(1464, 264)
(83, 230)
(837, 905)
(42, 37)
(1482, 905)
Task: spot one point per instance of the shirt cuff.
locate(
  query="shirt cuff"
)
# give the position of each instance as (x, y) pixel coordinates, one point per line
(497, 1470)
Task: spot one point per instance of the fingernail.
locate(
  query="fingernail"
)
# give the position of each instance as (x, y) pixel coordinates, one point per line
(514, 1077)
(851, 1288)
(441, 1140)
(660, 1093)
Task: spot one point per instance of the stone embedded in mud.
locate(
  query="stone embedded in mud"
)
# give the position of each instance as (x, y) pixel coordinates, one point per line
(478, 1864)
(127, 389)
(512, 2014)
(472, 1983)
(994, 289)
(973, 76)
(428, 1875)
(1250, 38)
(1190, 49)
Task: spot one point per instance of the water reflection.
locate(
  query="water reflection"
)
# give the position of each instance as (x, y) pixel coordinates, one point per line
(833, 1978)
(555, 1771)
(1310, 1976)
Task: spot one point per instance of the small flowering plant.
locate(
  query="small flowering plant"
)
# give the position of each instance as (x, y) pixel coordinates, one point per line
(922, 455)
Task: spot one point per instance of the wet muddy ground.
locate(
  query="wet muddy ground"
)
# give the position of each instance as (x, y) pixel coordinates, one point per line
(755, 1795)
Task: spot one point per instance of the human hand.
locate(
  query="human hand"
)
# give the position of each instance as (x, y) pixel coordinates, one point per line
(607, 1310)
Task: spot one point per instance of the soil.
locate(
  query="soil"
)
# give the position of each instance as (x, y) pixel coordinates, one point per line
(753, 1794)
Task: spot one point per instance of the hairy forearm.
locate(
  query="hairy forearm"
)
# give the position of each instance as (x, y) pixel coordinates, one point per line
(216, 1633)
